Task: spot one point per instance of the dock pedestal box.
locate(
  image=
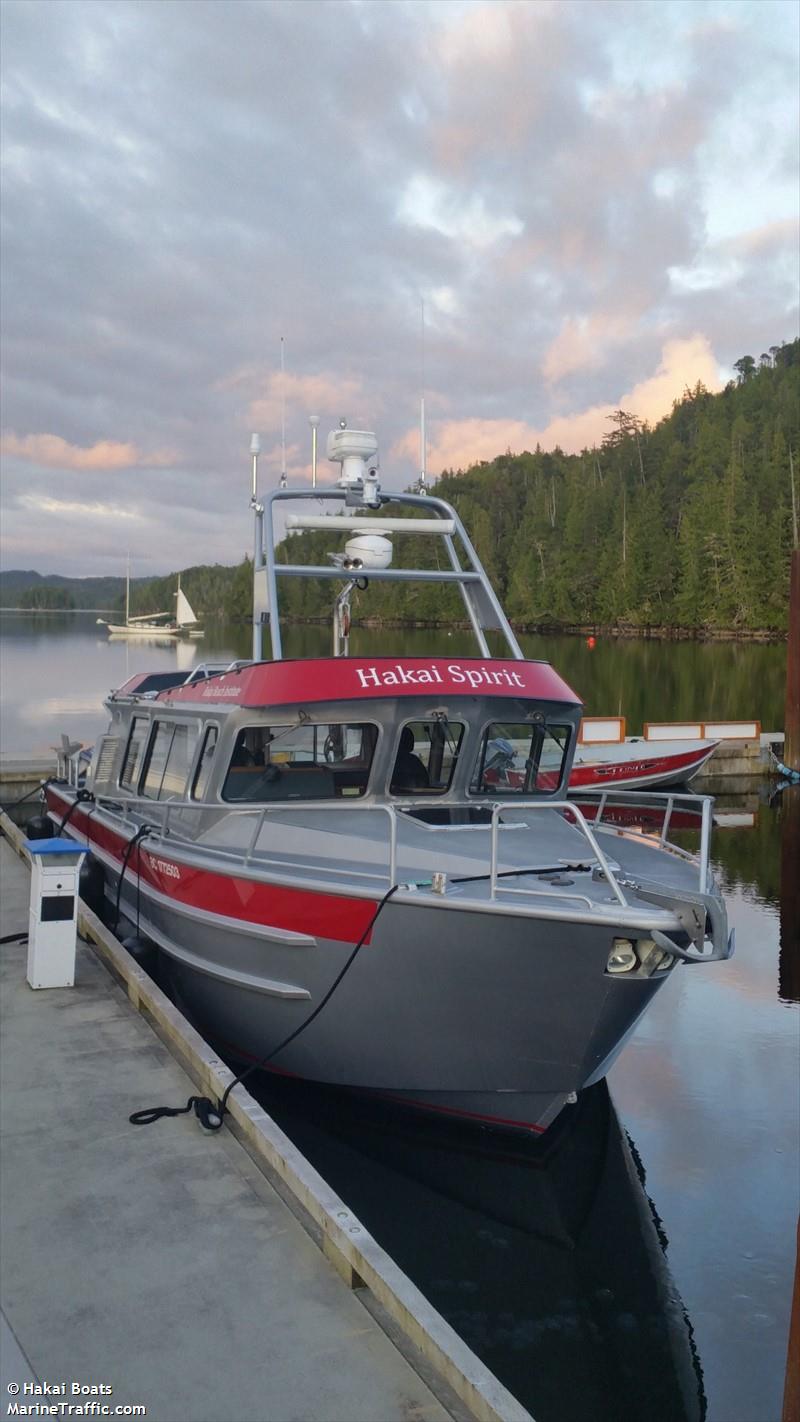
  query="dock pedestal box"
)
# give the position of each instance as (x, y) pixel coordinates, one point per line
(53, 918)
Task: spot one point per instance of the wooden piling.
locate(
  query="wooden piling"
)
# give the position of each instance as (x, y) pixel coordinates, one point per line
(791, 1395)
(789, 957)
(791, 745)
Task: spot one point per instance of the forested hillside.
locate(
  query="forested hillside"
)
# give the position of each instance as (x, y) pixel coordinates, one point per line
(686, 525)
(689, 524)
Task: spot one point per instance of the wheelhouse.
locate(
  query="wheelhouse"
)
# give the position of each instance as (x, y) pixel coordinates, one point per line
(260, 734)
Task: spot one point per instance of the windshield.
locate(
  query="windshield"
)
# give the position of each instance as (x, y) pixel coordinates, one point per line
(312, 761)
(520, 758)
(426, 757)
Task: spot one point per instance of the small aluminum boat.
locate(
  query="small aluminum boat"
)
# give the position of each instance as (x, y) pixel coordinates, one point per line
(639, 765)
(340, 879)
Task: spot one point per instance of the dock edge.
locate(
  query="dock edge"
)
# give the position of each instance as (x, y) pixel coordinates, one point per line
(347, 1244)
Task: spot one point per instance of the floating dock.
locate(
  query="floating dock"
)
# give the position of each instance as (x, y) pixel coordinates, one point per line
(193, 1275)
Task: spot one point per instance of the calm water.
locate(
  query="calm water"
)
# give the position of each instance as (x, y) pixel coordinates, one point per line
(56, 669)
(637, 1265)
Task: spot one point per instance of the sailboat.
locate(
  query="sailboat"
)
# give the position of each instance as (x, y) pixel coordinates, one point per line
(152, 624)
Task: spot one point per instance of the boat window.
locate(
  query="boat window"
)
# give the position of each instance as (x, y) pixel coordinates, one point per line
(426, 757)
(134, 753)
(179, 761)
(518, 758)
(307, 762)
(206, 763)
(157, 759)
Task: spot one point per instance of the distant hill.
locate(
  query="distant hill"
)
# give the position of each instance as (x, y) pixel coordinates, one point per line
(212, 589)
(85, 592)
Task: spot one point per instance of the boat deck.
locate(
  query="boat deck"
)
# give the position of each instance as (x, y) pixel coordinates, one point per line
(160, 1261)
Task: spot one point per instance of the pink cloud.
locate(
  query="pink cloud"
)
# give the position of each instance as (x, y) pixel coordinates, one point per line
(455, 444)
(583, 343)
(683, 363)
(56, 453)
(767, 237)
(302, 394)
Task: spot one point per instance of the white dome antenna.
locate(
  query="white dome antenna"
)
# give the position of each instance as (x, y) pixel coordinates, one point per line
(367, 550)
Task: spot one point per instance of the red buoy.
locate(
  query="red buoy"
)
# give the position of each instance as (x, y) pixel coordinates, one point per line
(591, 643)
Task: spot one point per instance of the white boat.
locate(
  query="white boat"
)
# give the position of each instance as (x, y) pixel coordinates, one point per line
(152, 624)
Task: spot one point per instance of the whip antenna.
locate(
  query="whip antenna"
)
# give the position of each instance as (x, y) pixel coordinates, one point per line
(422, 440)
(283, 420)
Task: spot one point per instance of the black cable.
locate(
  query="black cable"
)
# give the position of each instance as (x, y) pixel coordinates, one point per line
(80, 799)
(135, 839)
(211, 1116)
(51, 780)
(138, 883)
(14, 938)
(515, 873)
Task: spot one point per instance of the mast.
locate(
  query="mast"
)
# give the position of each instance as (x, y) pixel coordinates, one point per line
(128, 591)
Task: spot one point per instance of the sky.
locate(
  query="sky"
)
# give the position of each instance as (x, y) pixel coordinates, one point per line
(594, 202)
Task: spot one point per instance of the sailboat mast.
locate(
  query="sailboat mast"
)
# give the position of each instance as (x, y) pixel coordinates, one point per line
(128, 591)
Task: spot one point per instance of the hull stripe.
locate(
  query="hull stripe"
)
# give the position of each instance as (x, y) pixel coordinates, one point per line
(317, 915)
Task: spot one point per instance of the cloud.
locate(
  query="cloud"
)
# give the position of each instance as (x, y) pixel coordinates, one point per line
(302, 395)
(585, 342)
(768, 237)
(683, 363)
(558, 181)
(428, 202)
(71, 508)
(456, 444)
(55, 453)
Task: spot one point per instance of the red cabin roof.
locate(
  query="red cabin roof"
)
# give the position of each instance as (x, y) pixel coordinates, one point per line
(362, 678)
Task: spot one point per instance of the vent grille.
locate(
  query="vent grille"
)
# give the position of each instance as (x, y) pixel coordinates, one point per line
(104, 764)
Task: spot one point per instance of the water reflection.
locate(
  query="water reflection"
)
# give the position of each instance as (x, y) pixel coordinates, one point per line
(515, 1247)
(547, 1257)
(644, 680)
(57, 671)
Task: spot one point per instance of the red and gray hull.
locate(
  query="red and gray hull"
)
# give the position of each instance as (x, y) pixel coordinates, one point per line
(495, 1017)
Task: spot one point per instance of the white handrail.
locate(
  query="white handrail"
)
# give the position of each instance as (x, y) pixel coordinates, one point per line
(582, 825)
(365, 524)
